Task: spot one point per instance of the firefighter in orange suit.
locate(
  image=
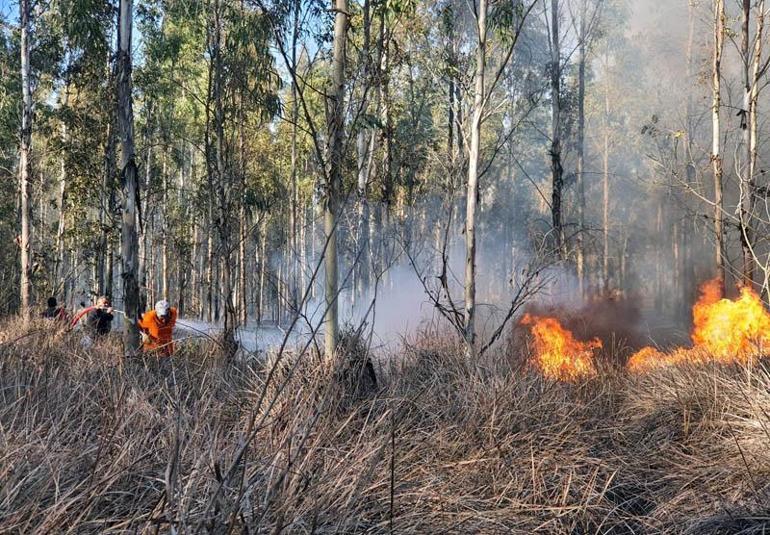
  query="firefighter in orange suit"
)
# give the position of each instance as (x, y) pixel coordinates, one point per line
(157, 328)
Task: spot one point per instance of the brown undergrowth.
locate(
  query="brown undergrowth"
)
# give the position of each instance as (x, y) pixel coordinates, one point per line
(94, 444)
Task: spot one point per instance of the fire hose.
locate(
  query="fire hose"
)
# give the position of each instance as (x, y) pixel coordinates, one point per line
(144, 335)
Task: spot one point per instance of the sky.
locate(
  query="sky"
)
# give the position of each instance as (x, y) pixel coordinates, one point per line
(9, 10)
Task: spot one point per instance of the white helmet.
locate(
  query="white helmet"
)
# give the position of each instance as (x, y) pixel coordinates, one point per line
(162, 308)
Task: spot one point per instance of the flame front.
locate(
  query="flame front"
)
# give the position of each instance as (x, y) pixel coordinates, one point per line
(724, 330)
(559, 355)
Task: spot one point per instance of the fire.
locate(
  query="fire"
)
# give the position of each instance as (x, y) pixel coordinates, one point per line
(730, 330)
(559, 355)
(724, 330)
(648, 358)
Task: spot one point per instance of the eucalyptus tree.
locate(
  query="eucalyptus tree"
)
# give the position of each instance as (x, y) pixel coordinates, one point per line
(86, 29)
(754, 68)
(513, 24)
(240, 67)
(129, 180)
(10, 96)
(25, 149)
(336, 133)
(719, 17)
(555, 151)
(588, 16)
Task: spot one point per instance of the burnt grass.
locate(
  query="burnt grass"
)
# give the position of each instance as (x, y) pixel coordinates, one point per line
(91, 443)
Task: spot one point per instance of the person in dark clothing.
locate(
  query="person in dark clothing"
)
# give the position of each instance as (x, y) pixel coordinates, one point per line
(53, 311)
(99, 320)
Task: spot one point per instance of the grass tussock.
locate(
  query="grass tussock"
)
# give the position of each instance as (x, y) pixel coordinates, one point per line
(94, 444)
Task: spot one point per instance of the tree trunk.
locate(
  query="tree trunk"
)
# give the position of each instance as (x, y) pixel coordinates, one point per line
(242, 216)
(472, 194)
(606, 194)
(108, 276)
(756, 73)
(294, 284)
(302, 262)
(688, 276)
(130, 186)
(262, 268)
(449, 22)
(108, 178)
(387, 167)
(557, 170)
(209, 289)
(579, 178)
(243, 312)
(58, 271)
(145, 290)
(745, 188)
(164, 244)
(749, 188)
(716, 157)
(24, 161)
(459, 123)
(194, 301)
(364, 147)
(222, 184)
(334, 185)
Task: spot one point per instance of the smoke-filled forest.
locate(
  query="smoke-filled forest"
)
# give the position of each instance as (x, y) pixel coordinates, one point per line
(384, 266)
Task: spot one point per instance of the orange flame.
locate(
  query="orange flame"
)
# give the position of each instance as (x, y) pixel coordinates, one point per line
(724, 330)
(559, 355)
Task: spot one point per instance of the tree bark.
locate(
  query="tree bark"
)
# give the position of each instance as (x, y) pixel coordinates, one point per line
(388, 187)
(129, 181)
(745, 181)
(716, 157)
(579, 178)
(472, 194)
(557, 171)
(364, 147)
(25, 149)
(262, 251)
(108, 178)
(58, 271)
(756, 71)
(606, 193)
(242, 217)
(222, 185)
(294, 285)
(164, 276)
(209, 288)
(687, 266)
(751, 103)
(145, 250)
(332, 204)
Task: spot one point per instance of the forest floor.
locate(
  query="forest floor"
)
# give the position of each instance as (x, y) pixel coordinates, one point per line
(93, 444)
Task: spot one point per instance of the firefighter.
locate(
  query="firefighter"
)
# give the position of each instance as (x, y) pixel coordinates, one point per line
(157, 328)
(99, 319)
(54, 312)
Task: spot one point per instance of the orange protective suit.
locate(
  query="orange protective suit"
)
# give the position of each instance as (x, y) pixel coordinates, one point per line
(159, 333)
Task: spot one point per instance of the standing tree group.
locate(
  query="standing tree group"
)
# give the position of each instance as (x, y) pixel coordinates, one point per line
(282, 161)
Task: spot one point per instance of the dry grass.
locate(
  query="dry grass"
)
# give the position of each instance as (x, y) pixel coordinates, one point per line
(91, 444)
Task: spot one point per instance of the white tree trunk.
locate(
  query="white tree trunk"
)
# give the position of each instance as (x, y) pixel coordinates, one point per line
(716, 157)
(473, 181)
(24, 161)
(744, 185)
